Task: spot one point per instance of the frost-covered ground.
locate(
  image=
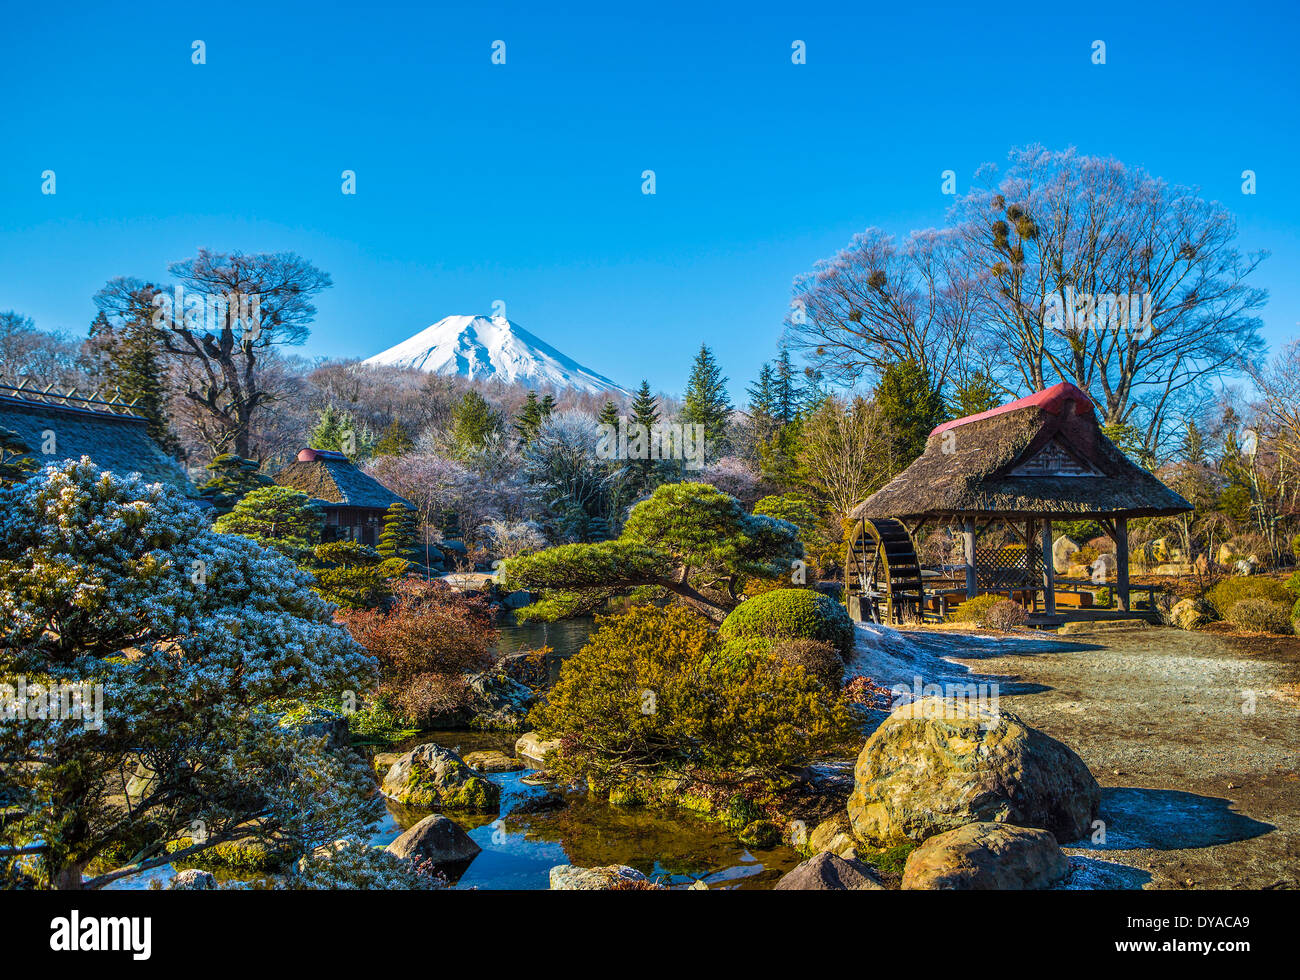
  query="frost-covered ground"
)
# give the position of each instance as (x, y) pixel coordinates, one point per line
(1192, 736)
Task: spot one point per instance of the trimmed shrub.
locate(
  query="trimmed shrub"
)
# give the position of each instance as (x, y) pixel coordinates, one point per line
(1292, 584)
(1260, 616)
(791, 614)
(653, 692)
(1231, 591)
(1005, 614)
(974, 610)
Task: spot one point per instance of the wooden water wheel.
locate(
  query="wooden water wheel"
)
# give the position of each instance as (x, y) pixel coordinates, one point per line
(883, 572)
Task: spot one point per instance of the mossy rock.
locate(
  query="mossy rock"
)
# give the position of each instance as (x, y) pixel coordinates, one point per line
(240, 855)
(430, 777)
(627, 795)
(761, 833)
(796, 614)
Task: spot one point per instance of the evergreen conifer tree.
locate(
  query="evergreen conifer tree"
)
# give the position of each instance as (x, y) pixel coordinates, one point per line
(706, 401)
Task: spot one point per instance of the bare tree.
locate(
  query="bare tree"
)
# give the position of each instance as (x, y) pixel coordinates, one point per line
(845, 452)
(248, 305)
(877, 302)
(45, 358)
(1100, 274)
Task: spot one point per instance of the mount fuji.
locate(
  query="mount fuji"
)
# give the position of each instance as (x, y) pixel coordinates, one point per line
(492, 347)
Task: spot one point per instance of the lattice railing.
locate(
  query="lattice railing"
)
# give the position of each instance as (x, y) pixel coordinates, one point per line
(1007, 568)
(114, 403)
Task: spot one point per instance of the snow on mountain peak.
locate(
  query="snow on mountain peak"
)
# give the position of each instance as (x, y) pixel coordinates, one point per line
(477, 346)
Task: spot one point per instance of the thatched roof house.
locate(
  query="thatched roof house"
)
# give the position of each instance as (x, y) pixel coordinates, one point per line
(354, 502)
(58, 427)
(1021, 465)
(1040, 456)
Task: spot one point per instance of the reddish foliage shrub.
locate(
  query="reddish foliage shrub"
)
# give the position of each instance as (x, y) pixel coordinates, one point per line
(431, 638)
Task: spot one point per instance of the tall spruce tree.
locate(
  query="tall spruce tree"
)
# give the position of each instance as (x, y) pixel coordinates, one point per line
(645, 413)
(473, 423)
(129, 356)
(707, 403)
(911, 405)
(786, 389)
(530, 418)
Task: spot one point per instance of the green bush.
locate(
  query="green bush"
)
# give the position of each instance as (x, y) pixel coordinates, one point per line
(792, 614)
(974, 610)
(1231, 591)
(1260, 616)
(991, 610)
(1295, 546)
(1295, 611)
(1292, 584)
(652, 692)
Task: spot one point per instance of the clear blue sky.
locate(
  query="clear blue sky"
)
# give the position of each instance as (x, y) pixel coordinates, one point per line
(522, 182)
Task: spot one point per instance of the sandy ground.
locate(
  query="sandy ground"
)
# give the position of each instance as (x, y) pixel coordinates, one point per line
(1194, 737)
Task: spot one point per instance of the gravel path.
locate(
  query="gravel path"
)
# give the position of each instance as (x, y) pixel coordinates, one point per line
(1194, 737)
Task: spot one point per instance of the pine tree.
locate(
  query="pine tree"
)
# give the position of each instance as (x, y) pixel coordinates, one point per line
(232, 477)
(277, 517)
(473, 423)
(129, 357)
(911, 406)
(401, 532)
(788, 397)
(974, 395)
(337, 430)
(645, 413)
(395, 441)
(530, 418)
(762, 399)
(706, 401)
(609, 414)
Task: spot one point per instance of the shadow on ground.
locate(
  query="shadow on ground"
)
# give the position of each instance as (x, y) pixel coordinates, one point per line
(1169, 820)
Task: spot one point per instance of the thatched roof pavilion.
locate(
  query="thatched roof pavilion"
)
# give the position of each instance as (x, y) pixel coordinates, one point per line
(1026, 463)
(354, 502)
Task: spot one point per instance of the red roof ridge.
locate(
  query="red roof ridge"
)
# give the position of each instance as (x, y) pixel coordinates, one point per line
(1051, 400)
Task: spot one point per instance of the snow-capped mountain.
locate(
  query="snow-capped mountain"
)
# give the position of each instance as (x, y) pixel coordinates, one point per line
(492, 347)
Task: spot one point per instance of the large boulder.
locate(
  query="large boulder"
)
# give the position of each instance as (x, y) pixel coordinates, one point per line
(435, 838)
(936, 765)
(498, 700)
(1188, 614)
(569, 877)
(193, 880)
(829, 872)
(987, 856)
(531, 746)
(834, 834)
(1063, 551)
(493, 760)
(430, 777)
(1104, 568)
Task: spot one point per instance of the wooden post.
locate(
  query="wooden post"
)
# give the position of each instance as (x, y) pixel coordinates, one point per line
(968, 539)
(1049, 571)
(1121, 563)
